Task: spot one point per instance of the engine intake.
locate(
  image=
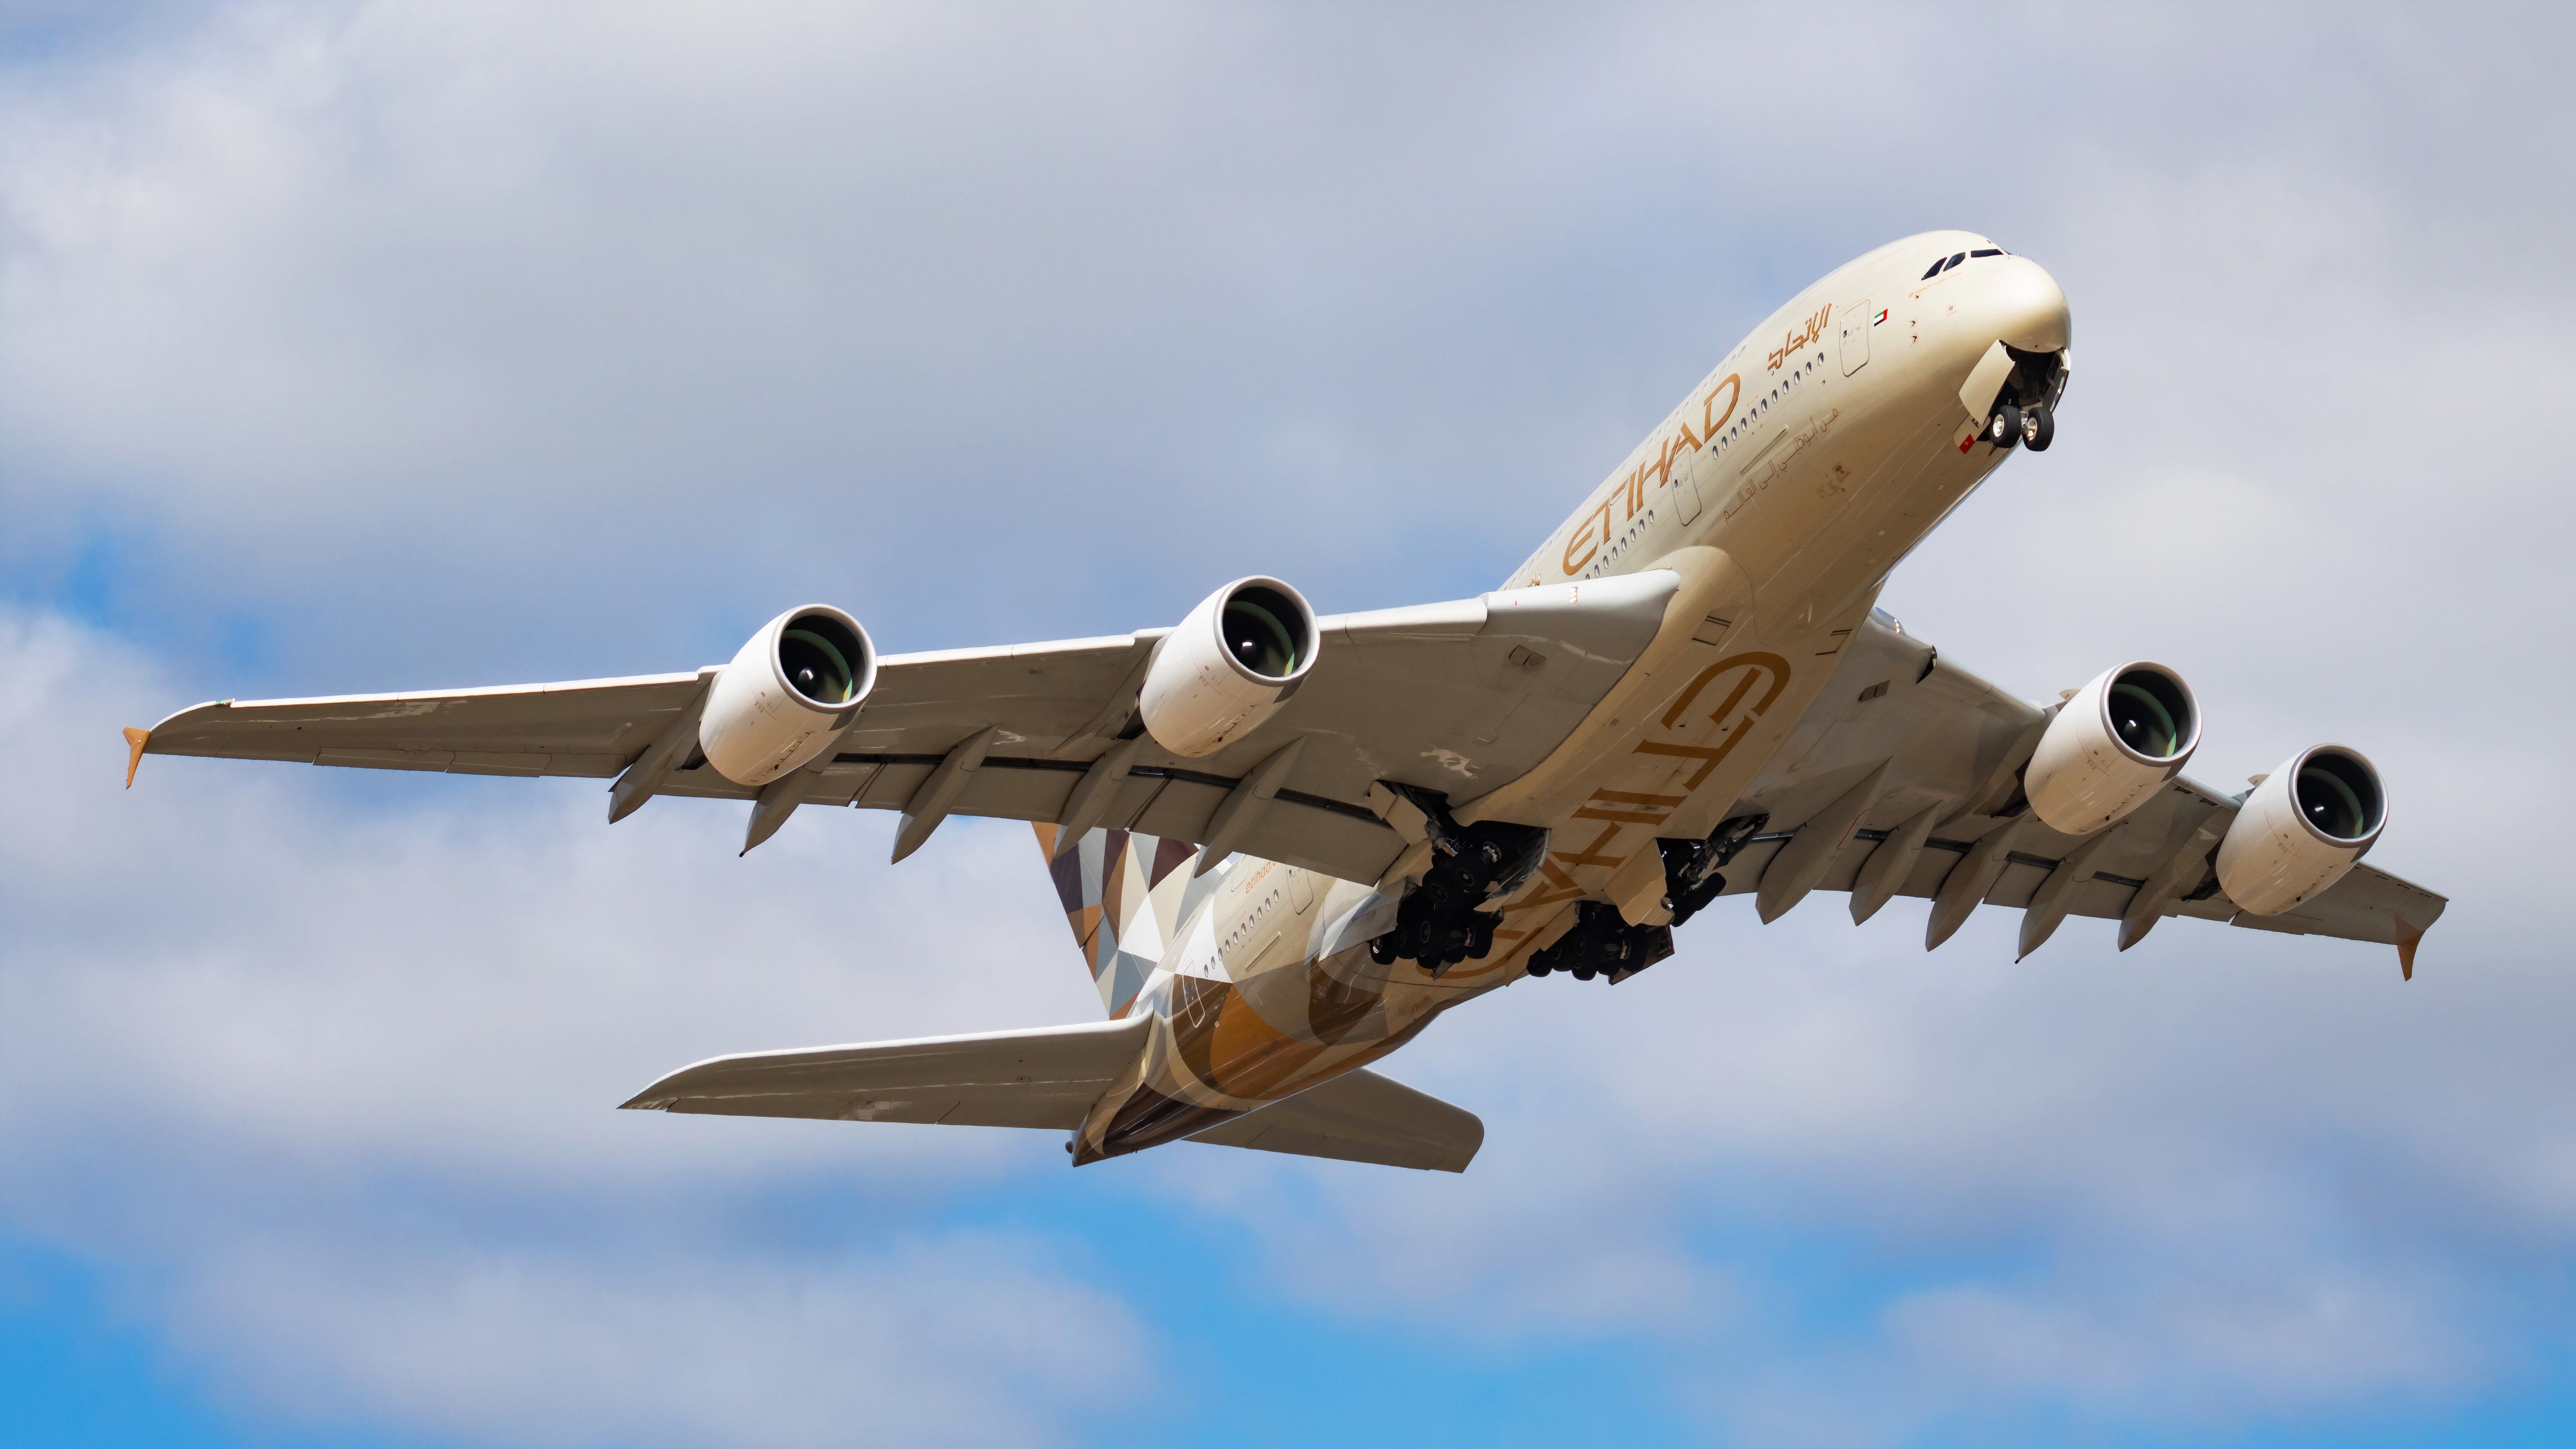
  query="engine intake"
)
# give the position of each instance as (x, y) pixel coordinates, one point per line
(2301, 829)
(788, 695)
(2117, 740)
(1228, 667)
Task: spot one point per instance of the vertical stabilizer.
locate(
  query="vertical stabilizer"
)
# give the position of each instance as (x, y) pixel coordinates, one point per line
(1125, 895)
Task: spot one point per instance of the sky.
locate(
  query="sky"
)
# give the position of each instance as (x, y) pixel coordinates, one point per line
(375, 346)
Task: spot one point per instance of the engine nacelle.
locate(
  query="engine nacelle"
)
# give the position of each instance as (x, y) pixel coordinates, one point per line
(1229, 666)
(788, 695)
(2115, 742)
(2301, 829)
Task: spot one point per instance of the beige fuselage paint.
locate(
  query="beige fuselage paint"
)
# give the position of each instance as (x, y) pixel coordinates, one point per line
(1783, 488)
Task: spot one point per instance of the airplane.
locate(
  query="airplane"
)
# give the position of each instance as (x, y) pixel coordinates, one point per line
(1287, 842)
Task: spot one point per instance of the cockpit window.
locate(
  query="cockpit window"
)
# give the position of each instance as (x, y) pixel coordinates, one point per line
(1945, 263)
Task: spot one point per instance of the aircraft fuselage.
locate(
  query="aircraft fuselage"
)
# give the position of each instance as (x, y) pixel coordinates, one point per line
(1781, 490)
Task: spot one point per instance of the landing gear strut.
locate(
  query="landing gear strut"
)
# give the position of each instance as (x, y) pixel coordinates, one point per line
(1691, 867)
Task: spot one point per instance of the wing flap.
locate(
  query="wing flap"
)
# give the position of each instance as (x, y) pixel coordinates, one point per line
(1360, 1117)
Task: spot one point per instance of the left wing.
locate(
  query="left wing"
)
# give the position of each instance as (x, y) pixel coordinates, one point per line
(1445, 696)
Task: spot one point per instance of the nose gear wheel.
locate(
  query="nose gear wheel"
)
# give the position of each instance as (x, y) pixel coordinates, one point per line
(2038, 427)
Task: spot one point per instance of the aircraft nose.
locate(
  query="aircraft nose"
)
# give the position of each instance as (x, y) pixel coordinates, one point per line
(2029, 309)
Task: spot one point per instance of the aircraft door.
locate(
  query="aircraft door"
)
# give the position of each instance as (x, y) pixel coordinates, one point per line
(1686, 481)
(1857, 321)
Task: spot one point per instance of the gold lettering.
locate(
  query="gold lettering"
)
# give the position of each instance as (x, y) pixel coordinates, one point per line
(1593, 854)
(1567, 889)
(1778, 667)
(1734, 386)
(1589, 548)
(1710, 758)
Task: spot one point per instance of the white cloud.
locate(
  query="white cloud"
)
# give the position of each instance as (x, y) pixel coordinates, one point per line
(963, 1340)
(342, 1081)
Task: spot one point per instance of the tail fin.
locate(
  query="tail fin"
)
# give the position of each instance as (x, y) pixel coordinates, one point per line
(1125, 895)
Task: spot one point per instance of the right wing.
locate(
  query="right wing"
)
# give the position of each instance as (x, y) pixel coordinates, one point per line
(1457, 697)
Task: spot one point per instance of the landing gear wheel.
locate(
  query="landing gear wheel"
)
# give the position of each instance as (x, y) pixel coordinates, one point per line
(2004, 428)
(2038, 428)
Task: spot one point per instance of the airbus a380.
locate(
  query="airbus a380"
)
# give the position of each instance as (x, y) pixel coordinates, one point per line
(1287, 842)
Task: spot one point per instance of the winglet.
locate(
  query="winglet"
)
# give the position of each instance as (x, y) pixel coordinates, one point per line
(134, 741)
(2408, 937)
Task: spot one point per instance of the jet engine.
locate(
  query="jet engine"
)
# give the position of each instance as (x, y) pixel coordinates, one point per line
(788, 695)
(2117, 739)
(1229, 666)
(2301, 829)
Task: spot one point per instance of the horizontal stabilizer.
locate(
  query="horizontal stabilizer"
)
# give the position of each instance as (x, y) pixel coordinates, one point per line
(1360, 1117)
(1048, 1077)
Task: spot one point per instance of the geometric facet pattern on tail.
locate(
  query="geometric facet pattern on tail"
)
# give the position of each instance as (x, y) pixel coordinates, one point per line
(1125, 895)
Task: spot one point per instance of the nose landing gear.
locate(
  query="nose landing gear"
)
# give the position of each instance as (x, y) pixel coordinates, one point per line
(2003, 430)
(2033, 427)
(2025, 405)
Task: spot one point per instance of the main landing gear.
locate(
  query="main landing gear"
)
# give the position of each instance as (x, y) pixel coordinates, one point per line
(1439, 924)
(1602, 943)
